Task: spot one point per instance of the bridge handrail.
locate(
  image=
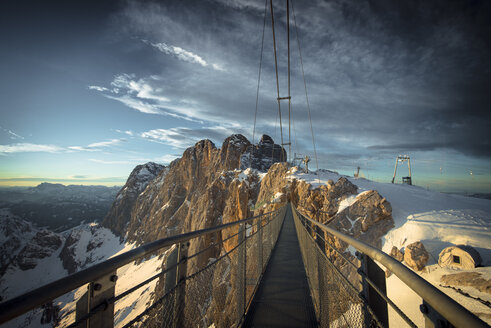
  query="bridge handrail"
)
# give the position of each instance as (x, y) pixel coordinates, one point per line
(455, 313)
(40, 296)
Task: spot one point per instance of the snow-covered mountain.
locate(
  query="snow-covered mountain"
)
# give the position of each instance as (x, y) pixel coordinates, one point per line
(56, 206)
(120, 213)
(210, 186)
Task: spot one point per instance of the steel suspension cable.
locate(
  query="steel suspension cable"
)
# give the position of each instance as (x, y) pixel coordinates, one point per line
(289, 94)
(294, 137)
(260, 66)
(272, 147)
(305, 87)
(276, 70)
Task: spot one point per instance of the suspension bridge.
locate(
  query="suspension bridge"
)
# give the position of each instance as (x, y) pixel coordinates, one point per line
(277, 269)
(284, 272)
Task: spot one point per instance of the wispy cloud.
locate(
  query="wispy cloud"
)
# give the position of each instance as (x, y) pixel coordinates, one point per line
(242, 4)
(29, 148)
(144, 96)
(175, 137)
(182, 137)
(76, 179)
(32, 148)
(11, 134)
(137, 104)
(97, 146)
(95, 87)
(125, 161)
(79, 177)
(141, 87)
(105, 143)
(166, 159)
(128, 132)
(180, 53)
(183, 54)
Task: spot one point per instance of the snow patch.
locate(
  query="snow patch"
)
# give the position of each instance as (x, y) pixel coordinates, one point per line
(348, 201)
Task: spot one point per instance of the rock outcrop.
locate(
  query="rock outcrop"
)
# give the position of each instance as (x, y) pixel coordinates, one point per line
(204, 188)
(44, 244)
(416, 256)
(87, 245)
(14, 233)
(120, 213)
(472, 279)
(397, 254)
(197, 192)
(263, 155)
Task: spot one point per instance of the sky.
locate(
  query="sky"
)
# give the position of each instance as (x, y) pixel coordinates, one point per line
(90, 89)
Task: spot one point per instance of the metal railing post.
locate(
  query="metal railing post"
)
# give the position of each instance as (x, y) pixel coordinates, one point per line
(278, 225)
(275, 225)
(241, 272)
(269, 235)
(433, 319)
(170, 282)
(259, 248)
(375, 301)
(179, 301)
(96, 300)
(171, 276)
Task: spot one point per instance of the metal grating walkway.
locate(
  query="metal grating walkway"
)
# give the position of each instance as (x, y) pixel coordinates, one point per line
(283, 297)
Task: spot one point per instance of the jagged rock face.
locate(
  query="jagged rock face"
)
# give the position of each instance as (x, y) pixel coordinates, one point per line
(367, 219)
(263, 155)
(397, 254)
(194, 193)
(275, 190)
(416, 256)
(170, 203)
(202, 189)
(44, 244)
(241, 194)
(83, 246)
(13, 234)
(120, 213)
(322, 203)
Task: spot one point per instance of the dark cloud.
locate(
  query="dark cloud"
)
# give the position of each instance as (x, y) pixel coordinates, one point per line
(383, 76)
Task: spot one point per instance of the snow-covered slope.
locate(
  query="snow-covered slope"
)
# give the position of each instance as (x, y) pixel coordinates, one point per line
(82, 247)
(421, 214)
(436, 219)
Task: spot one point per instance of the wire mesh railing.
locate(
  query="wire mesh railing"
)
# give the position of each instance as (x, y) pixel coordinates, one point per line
(212, 286)
(337, 297)
(350, 290)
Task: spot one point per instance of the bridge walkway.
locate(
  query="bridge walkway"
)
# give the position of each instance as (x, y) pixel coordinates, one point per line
(283, 297)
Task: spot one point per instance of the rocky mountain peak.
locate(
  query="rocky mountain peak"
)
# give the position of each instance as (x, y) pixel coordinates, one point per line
(262, 155)
(119, 215)
(232, 149)
(141, 175)
(265, 139)
(46, 186)
(198, 186)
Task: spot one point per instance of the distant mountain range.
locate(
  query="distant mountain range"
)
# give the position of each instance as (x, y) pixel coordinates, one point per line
(56, 206)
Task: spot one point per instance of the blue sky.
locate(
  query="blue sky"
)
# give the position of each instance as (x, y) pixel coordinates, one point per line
(89, 90)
